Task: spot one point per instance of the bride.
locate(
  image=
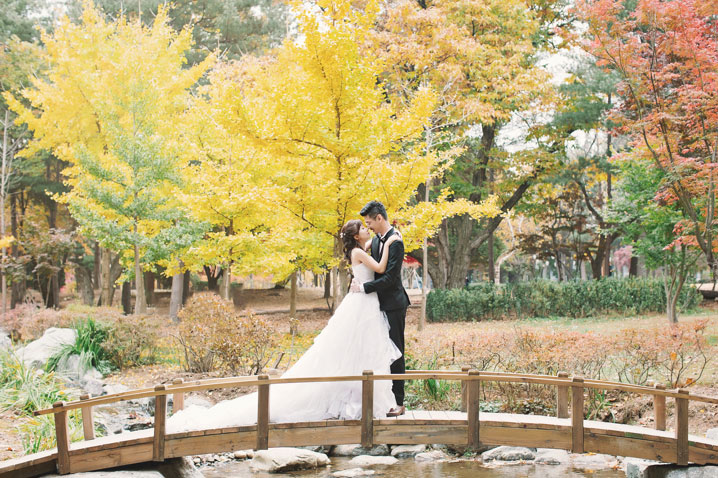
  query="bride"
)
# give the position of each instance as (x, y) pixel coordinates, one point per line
(355, 339)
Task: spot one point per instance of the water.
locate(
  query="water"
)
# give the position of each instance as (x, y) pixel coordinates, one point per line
(409, 468)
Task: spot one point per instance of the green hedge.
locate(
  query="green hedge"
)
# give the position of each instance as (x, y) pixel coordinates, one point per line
(544, 298)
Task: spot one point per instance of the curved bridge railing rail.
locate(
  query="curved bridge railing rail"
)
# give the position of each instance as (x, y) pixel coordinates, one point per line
(569, 390)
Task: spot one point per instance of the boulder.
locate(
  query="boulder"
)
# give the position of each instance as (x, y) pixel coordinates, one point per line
(428, 456)
(113, 388)
(369, 460)
(638, 468)
(356, 450)
(38, 352)
(508, 453)
(277, 460)
(712, 434)
(549, 456)
(5, 341)
(591, 462)
(326, 449)
(687, 472)
(352, 472)
(407, 451)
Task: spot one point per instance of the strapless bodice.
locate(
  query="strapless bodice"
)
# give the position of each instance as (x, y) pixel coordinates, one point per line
(362, 273)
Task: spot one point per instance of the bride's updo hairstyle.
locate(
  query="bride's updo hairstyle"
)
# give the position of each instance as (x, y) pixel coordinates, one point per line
(350, 229)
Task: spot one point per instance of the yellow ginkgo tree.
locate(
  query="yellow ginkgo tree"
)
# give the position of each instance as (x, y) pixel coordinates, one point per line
(108, 106)
(316, 104)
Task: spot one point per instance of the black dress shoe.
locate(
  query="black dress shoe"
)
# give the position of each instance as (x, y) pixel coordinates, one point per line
(395, 412)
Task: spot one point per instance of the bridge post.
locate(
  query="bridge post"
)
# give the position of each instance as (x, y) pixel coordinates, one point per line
(577, 415)
(178, 397)
(158, 443)
(263, 413)
(367, 409)
(63, 439)
(682, 428)
(473, 392)
(659, 408)
(464, 369)
(562, 398)
(88, 421)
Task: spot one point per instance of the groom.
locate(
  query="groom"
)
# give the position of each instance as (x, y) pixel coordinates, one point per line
(393, 299)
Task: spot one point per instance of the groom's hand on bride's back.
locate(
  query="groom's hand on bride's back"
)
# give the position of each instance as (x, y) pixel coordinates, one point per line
(356, 286)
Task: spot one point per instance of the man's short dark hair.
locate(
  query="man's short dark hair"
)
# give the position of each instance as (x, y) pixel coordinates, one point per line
(373, 209)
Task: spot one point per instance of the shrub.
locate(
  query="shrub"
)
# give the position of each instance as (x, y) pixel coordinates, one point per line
(24, 388)
(89, 346)
(543, 298)
(212, 335)
(131, 341)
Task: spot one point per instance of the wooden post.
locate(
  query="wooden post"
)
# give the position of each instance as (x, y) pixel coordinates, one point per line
(88, 421)
(367, 409)
(62, 434)
(178, 397)
(473, 389)
(659, 408)
(682, 428)
(464, 389)
(577, 415)
(158, 445)
(562, 398)
(263, 414)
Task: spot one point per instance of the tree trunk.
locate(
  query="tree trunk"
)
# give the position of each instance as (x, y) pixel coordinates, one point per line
(83, 278)
(150, 287)
(140, 303)
(126, 298)
(227, 282)
(293, 297)
(327, 285)
(492, 271)
(107, 284)
(213, 274)
(96, 269)
(176, 296)
(185, 287)
(633, 267)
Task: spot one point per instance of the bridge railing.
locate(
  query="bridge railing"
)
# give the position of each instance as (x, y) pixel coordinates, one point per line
(568, 390)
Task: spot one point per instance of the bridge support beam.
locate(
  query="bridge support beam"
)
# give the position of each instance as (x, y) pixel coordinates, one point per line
(682, 428)
(464, 369)
(263, 413)
(473, 392)
(577, 415)
(62, 434)
(367, 409)
(659, 408)
(177, 398)
(562, 398)
(88, 419)
(158, 443)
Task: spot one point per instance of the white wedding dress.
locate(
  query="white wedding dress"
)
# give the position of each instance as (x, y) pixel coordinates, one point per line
(355, 339)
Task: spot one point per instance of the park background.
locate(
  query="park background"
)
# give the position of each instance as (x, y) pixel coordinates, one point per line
(174, 178)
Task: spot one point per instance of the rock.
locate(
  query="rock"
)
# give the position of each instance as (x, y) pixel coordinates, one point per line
(407, 451)
(345, 450)
(590, 462)
(688, 472)
(113, 388)
(356, 450)
(370, 460)
(114, 474)
(434, 455)
(242, 454)
(326, 449)
(179, 468)
(194, 400)
(549, 456)
(508, 453)
(5, 341)
(352, 472)
(38, 352)
(712, 434)
(91, 384)
(638, 468)
(464, 449)
(276, 460)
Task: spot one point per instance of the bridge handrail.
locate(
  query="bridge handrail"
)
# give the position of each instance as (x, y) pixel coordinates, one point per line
(508, 377)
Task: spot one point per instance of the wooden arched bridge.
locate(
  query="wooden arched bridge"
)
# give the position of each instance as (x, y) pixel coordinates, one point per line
(568, 430)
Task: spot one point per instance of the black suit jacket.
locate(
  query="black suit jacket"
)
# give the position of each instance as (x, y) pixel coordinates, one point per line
(388, 286)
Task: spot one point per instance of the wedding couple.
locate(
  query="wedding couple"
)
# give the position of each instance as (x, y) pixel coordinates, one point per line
(365, 333)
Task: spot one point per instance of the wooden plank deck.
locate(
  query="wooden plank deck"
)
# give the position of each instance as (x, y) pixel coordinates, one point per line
(415, 427)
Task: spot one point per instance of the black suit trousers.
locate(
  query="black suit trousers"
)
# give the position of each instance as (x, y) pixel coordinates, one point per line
(397, 319)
